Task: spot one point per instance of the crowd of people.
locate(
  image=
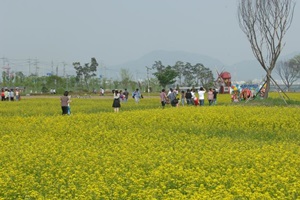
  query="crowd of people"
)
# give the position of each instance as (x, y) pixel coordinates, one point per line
(120, 96)
(188, 97)
(10, 94)
(173, 97)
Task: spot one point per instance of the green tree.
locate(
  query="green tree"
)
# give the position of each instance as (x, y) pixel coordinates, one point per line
(5, 78)
(86, 72)
(103, 83)
(165, 75)
(204, 75)
(53, 82)
(126, 77)
(189, 75)
(19, 78)
(180, 67)
(116, 84)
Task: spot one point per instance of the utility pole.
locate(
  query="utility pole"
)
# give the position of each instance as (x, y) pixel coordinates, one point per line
(67, 82)
(7, 68)
(148, 88)
(52, 71)
(29, 67)
(64, 69)
(36, 67)
(102, 65)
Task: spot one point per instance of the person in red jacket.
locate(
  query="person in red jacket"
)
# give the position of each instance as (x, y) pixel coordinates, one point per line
(2, 95)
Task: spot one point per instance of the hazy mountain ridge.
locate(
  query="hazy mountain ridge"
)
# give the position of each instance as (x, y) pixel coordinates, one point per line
(167, 58)
(241, 71)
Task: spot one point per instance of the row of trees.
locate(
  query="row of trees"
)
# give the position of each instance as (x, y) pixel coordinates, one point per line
(180, 74)
(85, 80)
(185, 74)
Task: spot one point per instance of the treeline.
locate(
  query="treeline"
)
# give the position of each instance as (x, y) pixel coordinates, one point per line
(158, 76)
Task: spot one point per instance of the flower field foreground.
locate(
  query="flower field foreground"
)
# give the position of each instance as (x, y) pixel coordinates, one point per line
(145, 152)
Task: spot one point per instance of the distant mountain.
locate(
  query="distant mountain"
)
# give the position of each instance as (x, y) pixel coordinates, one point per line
(242, 71)
(168, 58)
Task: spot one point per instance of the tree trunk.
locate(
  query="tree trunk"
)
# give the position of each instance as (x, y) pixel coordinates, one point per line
(87, 85)
(268, 82)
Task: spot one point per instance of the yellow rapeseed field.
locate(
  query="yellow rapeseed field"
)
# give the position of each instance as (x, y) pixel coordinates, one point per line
(226, 151)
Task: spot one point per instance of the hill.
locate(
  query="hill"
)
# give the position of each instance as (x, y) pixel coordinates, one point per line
(242, 71)
(167, 58)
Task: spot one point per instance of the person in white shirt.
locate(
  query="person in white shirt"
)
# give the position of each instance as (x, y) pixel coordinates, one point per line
(193, 96)
(6, 95)
(201, 93)
(11, 95)
(17, 95)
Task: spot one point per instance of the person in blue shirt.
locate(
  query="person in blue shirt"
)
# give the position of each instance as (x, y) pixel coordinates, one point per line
(136, 95)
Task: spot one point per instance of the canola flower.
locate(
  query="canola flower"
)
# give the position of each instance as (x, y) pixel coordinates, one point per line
(145, 152)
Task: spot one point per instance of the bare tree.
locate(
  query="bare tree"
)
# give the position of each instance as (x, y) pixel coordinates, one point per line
(295, 62)
(265, 23)
(288, 73)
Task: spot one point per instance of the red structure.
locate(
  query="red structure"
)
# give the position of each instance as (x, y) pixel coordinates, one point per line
(224, 80)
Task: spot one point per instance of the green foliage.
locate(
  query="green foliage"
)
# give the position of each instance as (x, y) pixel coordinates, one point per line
(126, 77)
(44, 89)
(86, 72)
(165, 75)
(187, 74)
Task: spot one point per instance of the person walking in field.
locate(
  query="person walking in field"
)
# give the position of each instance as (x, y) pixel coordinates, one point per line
(17, 95)
(2, 95)
(182, 97)
(136, 95)
(193, 97)
(201, 93)
(6, 95)
(11, 95)
(122, 97)
(215, 92)
(163, 98)
(173, 98)
(210, 96)
(101, 91)
(188, 97)
(126, 94)
(116, 103)
(65, 101)
(69, 107)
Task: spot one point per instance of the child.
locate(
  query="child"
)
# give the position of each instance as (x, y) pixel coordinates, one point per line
(196, 102)
(69, 108)
(182, 97)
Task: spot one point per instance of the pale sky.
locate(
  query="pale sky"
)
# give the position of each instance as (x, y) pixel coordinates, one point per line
(117, 31)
